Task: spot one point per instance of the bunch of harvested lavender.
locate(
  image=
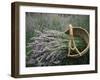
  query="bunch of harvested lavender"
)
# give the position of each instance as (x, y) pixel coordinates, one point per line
(47, 48)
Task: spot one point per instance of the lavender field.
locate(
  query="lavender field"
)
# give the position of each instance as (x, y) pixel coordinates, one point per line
(47, 42)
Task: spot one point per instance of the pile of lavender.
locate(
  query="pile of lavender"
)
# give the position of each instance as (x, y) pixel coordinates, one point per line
(47, 48)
